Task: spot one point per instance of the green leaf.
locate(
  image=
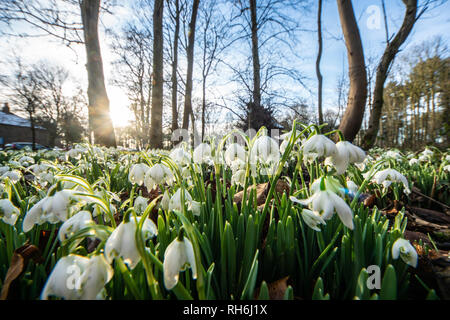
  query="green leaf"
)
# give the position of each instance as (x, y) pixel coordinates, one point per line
(389, 284)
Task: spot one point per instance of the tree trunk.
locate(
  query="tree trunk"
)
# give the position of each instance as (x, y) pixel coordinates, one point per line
(319, 56)
(203, 106)
(354, 113)
(389, 54)
(157, 91)
(174, 68)
(255, 56)
(190, 66)
(99, 116)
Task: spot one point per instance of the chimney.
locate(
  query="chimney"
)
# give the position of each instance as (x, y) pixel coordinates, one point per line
(6, 108)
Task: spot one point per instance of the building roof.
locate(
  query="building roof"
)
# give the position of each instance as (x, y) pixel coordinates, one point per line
(13, 120)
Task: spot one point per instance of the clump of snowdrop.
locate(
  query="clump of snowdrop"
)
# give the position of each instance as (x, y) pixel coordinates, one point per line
(406, 251)
(178, 256)
(122, 241)
(8, 212)
(387, 176)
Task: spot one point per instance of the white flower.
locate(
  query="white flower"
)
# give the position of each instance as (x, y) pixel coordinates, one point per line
(406, 251)
(235, 152)
(140, 204)
(318, 146)
(8, 212)
(447, 158)
(325, 203)
(352, 187)
(3, 170)
(427, 152)
(74, 224)
(52, 209)
(387, 176)
(312, 219)
(76, 277)
(202, 153)
(13, 175)
(165, 201)
(74, 153)
(26, 161)
(137, 173)
(178, 256)
(122, 241)
(180, 157)
(393, 154)
(423, 158)
(175, 202)
(266, 150)
(413, 161)
(346, 153)
(446, 168)
(238, 177)
(158, 174)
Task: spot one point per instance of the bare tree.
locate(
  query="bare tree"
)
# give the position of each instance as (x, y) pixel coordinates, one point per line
(156, 139)
(354, 113)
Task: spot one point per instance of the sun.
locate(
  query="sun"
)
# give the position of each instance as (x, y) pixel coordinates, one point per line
(120, 114)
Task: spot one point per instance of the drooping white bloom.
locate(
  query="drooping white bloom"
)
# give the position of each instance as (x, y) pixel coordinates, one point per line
(76, 277)
(52, 209)
(4, 169)
(235, 152)
(238, 177)
(8, 212)
(406, 251)
(180, 156)
(175, 202)
(74, 224)
(26, 161)
(312, 219)
(202, 153)
(13, 175)
(318, 146)
(165, 201)
(427, 152)
(122, 241)
(413, 161)
(387, 176)
(74, 153)
(393, 154)
(447, 158)
(137, 173)
(352, 187)
(178, 256)
(446, 168)
(265, 150)
(158, 174)
(346, 154)
(325, 203)
(140, 204)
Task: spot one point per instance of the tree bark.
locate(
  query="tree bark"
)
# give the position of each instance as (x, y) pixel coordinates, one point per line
(99, 117)
(388, 57)
(156, 140)
(319, 56)
(255, 55)
(354, 113)
(175, 67)
(190, 66)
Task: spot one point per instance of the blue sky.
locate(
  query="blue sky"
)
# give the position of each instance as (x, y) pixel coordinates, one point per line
(334, 60)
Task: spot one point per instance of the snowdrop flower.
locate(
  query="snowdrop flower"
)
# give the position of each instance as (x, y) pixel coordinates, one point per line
(237, 165)
(76, 277)
(325, 203)
(3, 170)
(387, 176)
(13, 175)
(180, 157)
(312, 219)
(137, 173)
(413, 161)
(427, 152)
(178, 256)
(423, 158)
(285, 140)
(393, 154)
(73, 153)
(158, 174)
(140, 204)
(74, 224)
(238, 177)
(165, 201)
(122, 241)
(346, 154)
(352, 187)
(26, 161)
(235, 153)
(446, 168)
(8, 212)
(447, 158)
(266, 150)
(65, 279)
(318, 146)
(52, 209)
(406, 251)
(202, 153)
(175, 202)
